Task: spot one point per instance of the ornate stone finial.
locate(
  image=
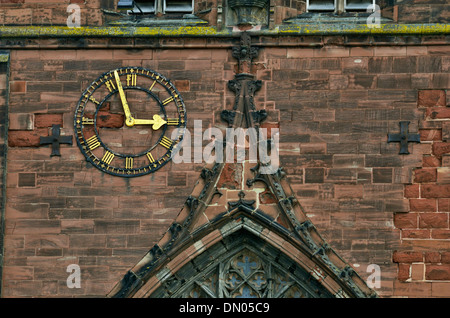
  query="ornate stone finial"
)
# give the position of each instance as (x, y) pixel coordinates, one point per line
(244, 86)
(245, 205)
(245, 53)
(248, 12)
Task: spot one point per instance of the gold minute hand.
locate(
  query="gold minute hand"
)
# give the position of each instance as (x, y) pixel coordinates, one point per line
(126, 109)
(157, 122)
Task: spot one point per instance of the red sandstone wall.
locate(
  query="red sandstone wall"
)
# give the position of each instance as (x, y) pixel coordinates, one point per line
(54, 12)
(3, 147)
(334, 107)
(63, 211)
(425, 231)
(354, 185)
(418, 11)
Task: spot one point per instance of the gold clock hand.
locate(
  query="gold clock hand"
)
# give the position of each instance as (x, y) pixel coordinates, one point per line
(126, 108)
(157, 122)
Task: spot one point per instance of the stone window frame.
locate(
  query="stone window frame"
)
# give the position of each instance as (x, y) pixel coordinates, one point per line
(338, 6)
(159, 7)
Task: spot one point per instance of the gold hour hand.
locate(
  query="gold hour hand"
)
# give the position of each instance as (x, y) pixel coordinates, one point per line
(126, 109)
(157, 122)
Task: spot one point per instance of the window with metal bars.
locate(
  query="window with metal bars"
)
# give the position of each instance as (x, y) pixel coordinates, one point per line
(340, 5)
(157, 6)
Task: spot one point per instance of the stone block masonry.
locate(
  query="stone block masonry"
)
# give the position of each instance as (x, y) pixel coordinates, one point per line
(4, 79)
(334, 91)
(48, 13)
(334, 107)
(346, 161)
(61, 210)
(425, 230)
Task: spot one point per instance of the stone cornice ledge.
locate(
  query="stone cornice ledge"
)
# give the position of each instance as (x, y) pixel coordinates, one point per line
(208, 31)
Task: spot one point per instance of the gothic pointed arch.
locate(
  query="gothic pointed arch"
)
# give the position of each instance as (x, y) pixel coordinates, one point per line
(242, 232)
(242, 259)
(248, 266)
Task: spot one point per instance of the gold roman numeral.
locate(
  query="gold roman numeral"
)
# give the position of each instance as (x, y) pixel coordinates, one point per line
(110, 85)
(173, 121)
(167, 101)
(108, 157)
(92, 99)
(153, 84)
(129, 163)
(93, 142)
(166, 142)
(131, 79)
(87, 121)
(150, 157)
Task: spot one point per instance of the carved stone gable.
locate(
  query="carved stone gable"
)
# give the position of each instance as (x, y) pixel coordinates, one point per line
(246, 268)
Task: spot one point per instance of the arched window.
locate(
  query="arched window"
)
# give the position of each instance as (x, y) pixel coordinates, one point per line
(242, 266)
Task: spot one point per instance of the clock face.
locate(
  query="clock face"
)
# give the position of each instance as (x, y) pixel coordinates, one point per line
(129, 121)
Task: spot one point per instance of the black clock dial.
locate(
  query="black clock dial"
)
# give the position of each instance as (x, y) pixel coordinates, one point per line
(129, 121)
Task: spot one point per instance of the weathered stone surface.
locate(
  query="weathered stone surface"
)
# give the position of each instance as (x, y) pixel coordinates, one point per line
(431, 98)
(333, 104)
